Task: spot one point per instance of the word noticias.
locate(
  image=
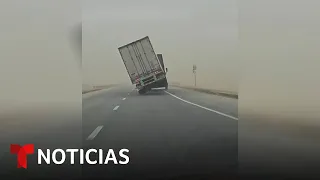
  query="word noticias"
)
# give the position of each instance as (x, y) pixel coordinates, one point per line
(59, 156)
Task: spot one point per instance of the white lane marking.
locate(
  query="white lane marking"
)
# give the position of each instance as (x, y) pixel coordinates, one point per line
(115, 108)
(208, 109)
(94, 133)
(123, 99)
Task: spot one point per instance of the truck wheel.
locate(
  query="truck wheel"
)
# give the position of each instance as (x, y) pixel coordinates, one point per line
(142, 91)
(167, 87)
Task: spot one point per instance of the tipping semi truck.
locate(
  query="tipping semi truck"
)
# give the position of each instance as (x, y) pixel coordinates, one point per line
(145, 68)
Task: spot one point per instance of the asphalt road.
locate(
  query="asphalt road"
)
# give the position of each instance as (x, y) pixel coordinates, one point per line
(170, 134)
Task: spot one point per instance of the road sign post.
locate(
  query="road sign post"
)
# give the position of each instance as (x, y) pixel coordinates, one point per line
(195, 74)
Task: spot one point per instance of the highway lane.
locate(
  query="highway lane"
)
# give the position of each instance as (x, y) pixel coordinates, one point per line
(167, 136)
(219, 103)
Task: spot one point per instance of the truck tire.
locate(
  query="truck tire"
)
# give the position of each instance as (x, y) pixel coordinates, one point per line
(166, 85)
(142, 91)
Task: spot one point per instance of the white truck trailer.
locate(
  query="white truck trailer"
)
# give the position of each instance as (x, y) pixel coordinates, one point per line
(144, 68)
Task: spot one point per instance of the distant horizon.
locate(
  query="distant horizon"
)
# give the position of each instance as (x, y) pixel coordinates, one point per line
(204, 33)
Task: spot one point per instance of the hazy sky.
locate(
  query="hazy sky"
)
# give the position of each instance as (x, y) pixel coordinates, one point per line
(269, 48)
(186, 32)
(37, 62)
(279, 45)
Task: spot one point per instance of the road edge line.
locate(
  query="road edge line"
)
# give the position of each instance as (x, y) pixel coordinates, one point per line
(208, 109)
